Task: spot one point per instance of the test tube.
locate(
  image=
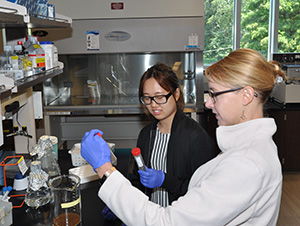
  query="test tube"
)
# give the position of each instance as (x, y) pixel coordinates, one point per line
(113, 158)
(136, 152)
(6, 191)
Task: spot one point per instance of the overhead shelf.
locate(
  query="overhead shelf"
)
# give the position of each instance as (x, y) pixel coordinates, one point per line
(14, 15)
(35, 22)
(9, 17)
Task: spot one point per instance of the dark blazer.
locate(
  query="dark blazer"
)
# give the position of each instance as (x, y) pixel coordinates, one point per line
(189, 147)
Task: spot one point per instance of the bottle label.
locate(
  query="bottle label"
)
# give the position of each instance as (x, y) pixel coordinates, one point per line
(27, 63)
(38, 60)
(22, 165)
(14, 57)
(36, 55)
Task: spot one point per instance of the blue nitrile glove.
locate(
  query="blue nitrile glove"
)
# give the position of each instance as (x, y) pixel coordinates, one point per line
(94, 149)
(108, 214)
(151, 178)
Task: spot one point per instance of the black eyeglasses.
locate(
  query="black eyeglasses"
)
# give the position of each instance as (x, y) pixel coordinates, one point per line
(214, 95)
(159, 99)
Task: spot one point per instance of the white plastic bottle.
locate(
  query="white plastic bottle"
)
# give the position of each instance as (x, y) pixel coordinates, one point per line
(49, 53)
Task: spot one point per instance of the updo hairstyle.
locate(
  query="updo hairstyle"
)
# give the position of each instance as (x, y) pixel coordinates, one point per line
(247, 67)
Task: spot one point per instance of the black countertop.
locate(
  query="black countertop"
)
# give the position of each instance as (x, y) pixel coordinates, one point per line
(91, 204)
(274, 104)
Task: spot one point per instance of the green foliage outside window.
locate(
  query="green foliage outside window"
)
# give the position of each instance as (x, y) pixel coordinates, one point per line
(254, 27)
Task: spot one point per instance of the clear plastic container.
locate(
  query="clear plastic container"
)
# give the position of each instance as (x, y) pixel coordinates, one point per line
(8, 53)
(78, 160)
(14, 60)
(36, 53)
(19, 53)
(55, 56)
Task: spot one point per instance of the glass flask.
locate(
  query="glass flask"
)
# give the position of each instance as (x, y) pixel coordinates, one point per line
(45, 154)
(37, 193)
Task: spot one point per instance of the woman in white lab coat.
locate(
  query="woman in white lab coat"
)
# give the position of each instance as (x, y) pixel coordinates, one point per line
(242, 185)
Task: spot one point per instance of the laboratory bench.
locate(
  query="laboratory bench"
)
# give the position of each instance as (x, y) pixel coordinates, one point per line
(91, 204)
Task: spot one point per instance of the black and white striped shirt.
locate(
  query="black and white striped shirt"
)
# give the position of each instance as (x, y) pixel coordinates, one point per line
(159, 162)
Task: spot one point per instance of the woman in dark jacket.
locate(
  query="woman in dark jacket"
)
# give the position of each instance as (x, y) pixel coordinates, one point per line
(173, 145)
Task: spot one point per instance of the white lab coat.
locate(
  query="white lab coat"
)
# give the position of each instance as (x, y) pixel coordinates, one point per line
(241, 186)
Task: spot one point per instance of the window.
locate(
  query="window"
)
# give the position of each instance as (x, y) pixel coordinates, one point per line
(218, 29)
(254, 29)
(255, 25)
(289, 26)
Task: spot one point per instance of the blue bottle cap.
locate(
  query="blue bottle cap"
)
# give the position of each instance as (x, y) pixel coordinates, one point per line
(19, 176)
(46, 42)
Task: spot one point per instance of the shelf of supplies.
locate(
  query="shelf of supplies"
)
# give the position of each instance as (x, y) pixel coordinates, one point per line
(8, 20)
(11, 15)
(33, 80)
(36, 22)
(11, 20)
(16, 16)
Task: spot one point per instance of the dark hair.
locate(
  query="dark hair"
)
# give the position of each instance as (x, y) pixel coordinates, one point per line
(166, 78)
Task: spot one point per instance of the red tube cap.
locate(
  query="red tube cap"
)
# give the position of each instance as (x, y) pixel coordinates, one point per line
(136, 151)
(99, 134)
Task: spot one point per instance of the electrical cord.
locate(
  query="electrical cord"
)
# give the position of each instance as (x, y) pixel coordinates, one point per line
(17, 119)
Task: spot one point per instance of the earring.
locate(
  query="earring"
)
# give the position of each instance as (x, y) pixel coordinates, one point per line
(243, 113)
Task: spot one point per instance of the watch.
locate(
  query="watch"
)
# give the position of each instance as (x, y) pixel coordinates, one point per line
(107, 174)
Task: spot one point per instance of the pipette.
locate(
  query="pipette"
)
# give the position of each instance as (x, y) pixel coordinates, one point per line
(113, 158)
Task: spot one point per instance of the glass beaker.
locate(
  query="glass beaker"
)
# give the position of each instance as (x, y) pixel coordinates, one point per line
(65, 191)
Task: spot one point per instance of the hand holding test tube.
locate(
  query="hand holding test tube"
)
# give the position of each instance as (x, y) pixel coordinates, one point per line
(136, 152)
(112, 155)
(94, 149)
(150, 178)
